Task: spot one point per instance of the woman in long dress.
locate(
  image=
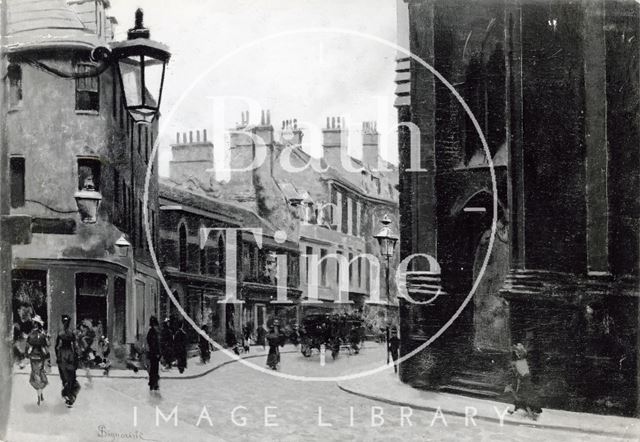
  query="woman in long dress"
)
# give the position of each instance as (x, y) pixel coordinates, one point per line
(67, 356)
(38, 354)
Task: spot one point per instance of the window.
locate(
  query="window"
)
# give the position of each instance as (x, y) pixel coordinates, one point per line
(203, 260)
(359, 272)
(349, 216)
(354, 218)
(16, 166)
(116, 191)
(344, 216)
(15, 85)
(182, 248)
(358, 209)
(141, 239)
(323, 267)
(139, 139)
(307, 261)
(376, 183)
(87, 89)
(221, 258)
(350, 268)
(89, 174)
(338, 265)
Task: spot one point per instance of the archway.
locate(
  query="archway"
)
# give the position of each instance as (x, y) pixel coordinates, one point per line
(487, 321)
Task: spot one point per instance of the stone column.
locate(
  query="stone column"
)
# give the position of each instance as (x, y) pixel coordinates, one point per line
(596, 149)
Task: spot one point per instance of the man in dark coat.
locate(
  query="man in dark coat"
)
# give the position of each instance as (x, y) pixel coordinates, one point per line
(180, 347)
(394, 348)
(153, 354)
(166, 343)
(67, 357)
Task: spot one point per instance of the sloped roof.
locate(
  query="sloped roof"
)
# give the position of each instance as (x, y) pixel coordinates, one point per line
(248, 218)
(41, 24)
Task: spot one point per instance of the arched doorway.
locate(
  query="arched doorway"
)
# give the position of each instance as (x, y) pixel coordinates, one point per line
(485, 323)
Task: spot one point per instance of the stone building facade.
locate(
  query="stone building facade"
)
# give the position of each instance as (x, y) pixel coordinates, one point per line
(64, 133)
(554, 87)
(326, 209)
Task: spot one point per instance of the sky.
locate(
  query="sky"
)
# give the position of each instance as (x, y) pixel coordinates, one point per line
(236, 48)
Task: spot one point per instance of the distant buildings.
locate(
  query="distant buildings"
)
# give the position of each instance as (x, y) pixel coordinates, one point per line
(328, 214)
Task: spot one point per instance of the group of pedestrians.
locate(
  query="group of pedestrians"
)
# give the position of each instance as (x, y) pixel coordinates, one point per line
(72, 348)
(173, 344)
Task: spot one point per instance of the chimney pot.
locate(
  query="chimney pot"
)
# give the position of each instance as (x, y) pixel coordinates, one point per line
(327, 122)
(333, 122)
(268, 117)
(190, 136)
(184, 138)
(204, 135)
(295, 123)
(198, 136)
(177, 137)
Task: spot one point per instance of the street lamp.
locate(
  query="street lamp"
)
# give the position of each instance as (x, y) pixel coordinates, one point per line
(88, 200)
(141, 64)
(387, 241)
(122, 246)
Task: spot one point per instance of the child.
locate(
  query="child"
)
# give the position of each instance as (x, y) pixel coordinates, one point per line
(522, 388)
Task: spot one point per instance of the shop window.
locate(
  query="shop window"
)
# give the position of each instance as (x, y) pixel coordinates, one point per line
(17, 172)
(87, 89)
(182, 248)
(29, 289)
(91, 301)
(15, 85)
(89, 174)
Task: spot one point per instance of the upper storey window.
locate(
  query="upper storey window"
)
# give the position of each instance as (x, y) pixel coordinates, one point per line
(15, 85)
(87, 89)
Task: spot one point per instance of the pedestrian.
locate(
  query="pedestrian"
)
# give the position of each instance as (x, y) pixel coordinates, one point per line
(521, 387)
(67, 357)
(262, 333)
(180, 347)
(166, 343)
(38, 354)
(102, 355)
(394, 348)
(204, 345)
(275, 341)
(232, 341)
(153, 354)
(246, 337)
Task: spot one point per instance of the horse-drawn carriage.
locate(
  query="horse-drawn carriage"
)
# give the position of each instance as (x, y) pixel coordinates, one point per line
(333, 331)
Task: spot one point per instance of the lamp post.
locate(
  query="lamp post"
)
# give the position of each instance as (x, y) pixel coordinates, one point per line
(141, 65)
(387, 241)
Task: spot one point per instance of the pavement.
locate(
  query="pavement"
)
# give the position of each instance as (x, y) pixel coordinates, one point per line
(195, 368)
(105, 407)
(386, 387)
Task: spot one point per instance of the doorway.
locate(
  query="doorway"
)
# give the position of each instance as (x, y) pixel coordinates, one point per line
(120, 304)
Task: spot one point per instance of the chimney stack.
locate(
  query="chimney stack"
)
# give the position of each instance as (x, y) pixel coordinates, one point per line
(370, 141)
(191, 158)
(334, 140)
(291, 134)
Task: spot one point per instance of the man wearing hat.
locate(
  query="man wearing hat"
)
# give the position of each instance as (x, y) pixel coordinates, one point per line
(67, 354)
(394, 347)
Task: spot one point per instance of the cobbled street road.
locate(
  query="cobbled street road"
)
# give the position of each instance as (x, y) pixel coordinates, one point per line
(269, 408)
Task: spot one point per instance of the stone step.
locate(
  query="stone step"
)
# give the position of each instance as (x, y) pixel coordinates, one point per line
(470, 391)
